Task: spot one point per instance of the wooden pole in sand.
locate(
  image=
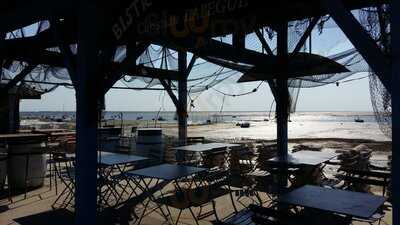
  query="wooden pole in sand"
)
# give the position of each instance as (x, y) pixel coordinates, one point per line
(87, 95)
(282, 101)
(182, 97)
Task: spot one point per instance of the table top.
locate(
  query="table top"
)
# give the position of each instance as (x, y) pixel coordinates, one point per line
(205, 147)
(66, 133)
(21, 138)
(111, 158)
(167, 171)
(356, 204)
(311, 158)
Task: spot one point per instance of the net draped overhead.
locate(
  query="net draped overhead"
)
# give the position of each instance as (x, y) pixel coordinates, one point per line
(208, 72)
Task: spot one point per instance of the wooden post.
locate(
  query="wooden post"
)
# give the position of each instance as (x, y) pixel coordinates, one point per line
(182, 97)
(395, 29)
(282, 101)
(86, 114)
(9, 111)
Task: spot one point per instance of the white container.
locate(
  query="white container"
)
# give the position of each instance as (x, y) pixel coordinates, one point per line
(149, 143)
(28, 158)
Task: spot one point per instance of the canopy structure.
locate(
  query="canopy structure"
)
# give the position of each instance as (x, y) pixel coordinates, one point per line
(93, 45)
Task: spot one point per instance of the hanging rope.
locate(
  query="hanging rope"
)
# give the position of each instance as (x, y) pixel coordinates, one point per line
(241, 94)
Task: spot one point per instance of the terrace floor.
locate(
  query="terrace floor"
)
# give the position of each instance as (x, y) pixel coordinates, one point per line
(36, 209)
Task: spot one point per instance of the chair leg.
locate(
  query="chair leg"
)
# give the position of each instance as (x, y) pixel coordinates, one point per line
(194, 216)
(26, 175)
(179, 216)
(55, 178)
(215, 210)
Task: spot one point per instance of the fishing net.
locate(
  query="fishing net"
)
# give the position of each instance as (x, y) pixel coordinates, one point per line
(376, 23)
(210, 73)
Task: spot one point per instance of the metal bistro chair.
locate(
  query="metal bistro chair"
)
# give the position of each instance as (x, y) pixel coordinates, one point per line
(207, 189)
(65, 171)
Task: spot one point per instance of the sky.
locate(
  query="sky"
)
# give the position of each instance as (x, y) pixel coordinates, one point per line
(351, 96)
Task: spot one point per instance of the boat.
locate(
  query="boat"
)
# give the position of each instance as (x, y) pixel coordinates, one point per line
(358, 120)
(139, 117)
(245, 125)
(161, 118)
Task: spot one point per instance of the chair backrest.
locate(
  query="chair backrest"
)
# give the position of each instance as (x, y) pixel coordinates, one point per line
(217, 178)
(65, 166)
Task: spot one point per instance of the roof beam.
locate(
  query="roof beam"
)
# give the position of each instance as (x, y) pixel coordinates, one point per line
(171, 94)
(306, 34)
(19, 77)
(31, 12)
(361, 40)
(263, 42)
(126, 68)
(216, 49)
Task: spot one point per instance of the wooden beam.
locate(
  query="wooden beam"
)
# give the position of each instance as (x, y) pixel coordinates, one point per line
(69, 61)
(30, 12)
(144, 71)
(171, 94)
(263, 42)
(182, 97)
(191, 64)
(88, 81)
(213, 48)
(131, 55)
(282, 102)
(239, 41)
(361, 40)
(306, 34)
(19, 77)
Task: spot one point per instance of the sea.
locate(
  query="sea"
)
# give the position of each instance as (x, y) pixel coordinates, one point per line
(223, 125)
(199, 117)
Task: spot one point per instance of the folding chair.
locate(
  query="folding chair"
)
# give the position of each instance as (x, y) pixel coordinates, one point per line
(65, 171)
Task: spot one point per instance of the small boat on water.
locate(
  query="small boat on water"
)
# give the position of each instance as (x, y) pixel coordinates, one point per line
(358, 120)
(139, 117)
(245, 125)
(161, 118)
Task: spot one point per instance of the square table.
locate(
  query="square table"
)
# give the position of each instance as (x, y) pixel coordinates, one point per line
(205, 147)
(203, 150)
(306, 158)
(349, 203)
(166, 172)
(111, 158)
(110, 164)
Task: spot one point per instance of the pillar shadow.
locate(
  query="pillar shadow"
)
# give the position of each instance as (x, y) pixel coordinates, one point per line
(52, 217)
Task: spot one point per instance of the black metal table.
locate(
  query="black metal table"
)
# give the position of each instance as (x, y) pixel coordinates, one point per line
(353, 204)
(165, 172)
(205, 147)
(112, 168)
(306, 158)
(203, 150)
